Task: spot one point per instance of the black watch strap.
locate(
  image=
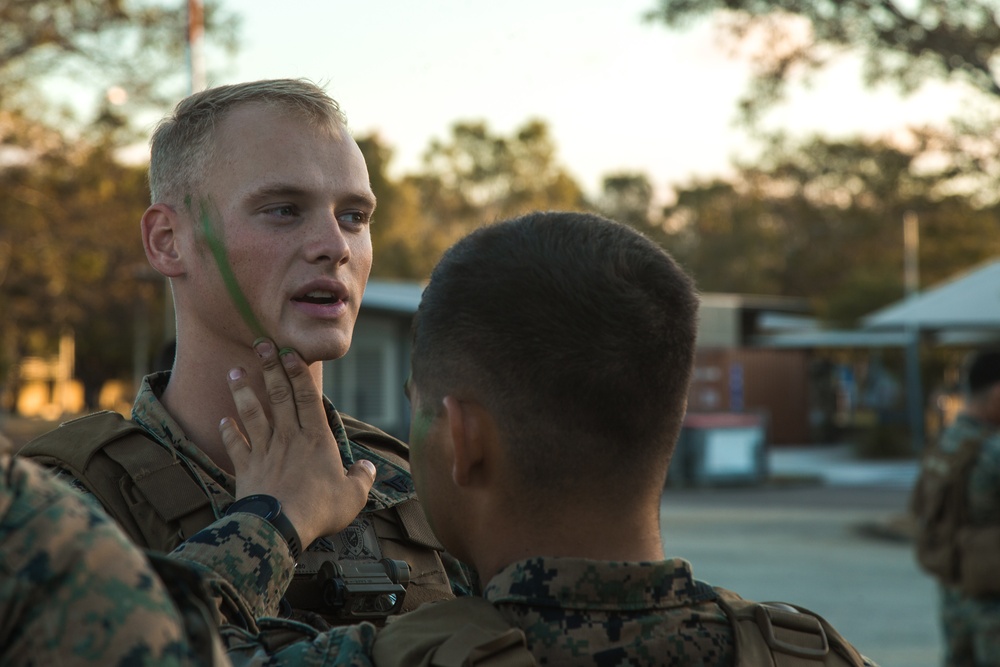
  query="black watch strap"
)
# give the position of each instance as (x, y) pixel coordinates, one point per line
(269, 509)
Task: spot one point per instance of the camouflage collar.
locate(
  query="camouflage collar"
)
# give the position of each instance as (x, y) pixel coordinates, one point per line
(578, 583)
(393, 483)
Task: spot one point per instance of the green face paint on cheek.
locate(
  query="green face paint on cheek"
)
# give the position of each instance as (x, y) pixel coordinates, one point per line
(420, 426)
(218, 248)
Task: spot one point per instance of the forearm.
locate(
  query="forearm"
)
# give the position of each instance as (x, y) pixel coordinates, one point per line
(246, 565)
(281, 642)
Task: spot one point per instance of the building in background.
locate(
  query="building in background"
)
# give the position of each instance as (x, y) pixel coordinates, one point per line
(367, 382)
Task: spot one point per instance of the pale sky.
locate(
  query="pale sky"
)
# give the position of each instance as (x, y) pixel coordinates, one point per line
(618, 94)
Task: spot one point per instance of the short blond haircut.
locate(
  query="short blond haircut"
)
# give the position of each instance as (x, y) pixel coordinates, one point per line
(182, 144)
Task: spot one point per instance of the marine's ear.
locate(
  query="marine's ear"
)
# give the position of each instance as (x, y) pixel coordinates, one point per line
(473, 434)
(161, 239)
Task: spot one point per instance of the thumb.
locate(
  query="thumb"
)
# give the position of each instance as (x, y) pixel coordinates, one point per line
(363, 472)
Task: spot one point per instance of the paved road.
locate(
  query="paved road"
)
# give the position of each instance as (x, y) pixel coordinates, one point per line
(803, 545)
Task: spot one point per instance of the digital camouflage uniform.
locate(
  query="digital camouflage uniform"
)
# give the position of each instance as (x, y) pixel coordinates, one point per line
(247, 565)
(75, 591)
(433, 574)
(572, 611)
(584, 612)
(971, 625)
(580, 612)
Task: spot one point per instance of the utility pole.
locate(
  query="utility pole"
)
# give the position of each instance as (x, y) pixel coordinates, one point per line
(911, 253)
(195, 38)
(911, 283)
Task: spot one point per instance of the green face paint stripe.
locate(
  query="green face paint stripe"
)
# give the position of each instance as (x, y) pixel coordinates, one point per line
(422, 421)
(218, 248)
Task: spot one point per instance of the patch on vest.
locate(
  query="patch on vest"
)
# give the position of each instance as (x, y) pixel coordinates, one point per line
(358, 541)
(399, 482)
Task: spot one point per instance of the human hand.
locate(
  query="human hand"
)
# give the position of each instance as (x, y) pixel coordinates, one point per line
(296, 459)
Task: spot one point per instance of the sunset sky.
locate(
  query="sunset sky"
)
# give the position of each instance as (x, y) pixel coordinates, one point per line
(619, 94)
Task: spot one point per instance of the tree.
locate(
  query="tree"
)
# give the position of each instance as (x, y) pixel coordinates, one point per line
(822, 217)
(628, 198)
(479, 177)
(70, 256)
(823, 220)
(403, 241)
(132, 45)
(75, 262)
(900, 43)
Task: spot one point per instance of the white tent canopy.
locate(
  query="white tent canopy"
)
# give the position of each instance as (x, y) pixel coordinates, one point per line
(968, 301)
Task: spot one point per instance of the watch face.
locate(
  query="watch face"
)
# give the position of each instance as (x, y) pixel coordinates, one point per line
(263, 507)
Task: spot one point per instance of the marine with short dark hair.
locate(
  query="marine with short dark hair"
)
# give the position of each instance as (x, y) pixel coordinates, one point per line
(550, 368)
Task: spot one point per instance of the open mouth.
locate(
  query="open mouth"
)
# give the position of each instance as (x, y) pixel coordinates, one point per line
(319, 297)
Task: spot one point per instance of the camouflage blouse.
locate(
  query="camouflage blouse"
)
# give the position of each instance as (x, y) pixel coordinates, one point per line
(584, 612)
(74, 590)
(984, 479)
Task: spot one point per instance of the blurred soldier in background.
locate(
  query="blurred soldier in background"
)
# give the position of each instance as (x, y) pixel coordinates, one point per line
(956, 501)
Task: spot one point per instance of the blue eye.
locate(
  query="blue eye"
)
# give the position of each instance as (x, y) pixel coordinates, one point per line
(356, 218)
(283, 210)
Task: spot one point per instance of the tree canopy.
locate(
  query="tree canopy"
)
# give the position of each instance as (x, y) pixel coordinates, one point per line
(810, 216)
(823, 219)
(132, 47)
(70, 256)
(905, 44)
(478, 176)
(820, 216)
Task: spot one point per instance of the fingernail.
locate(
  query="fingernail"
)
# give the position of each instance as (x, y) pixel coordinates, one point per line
(369, 466)
(287, 358)
(236, 374)
(264, 348)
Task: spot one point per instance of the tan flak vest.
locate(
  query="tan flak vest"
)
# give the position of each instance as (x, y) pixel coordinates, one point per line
(470, 632)
(159, 500)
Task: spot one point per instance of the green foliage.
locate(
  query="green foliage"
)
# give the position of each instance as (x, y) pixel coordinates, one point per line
(823, 220)
(628, 198)
(74, 260)
(477, 177)
(70, 254)
(137, 45)
(472, 178)
(404, 245)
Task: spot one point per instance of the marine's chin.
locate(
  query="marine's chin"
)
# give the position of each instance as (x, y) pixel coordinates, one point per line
(314, 352)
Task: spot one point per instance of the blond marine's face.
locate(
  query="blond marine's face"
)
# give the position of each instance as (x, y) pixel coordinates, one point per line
(292, 204)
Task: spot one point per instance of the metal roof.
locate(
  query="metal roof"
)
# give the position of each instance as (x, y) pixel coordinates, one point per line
(970, 300)
(759, 302)
(389, 296)
(819, 338)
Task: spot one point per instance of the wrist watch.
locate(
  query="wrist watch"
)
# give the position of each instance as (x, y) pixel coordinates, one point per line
(269, 509)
